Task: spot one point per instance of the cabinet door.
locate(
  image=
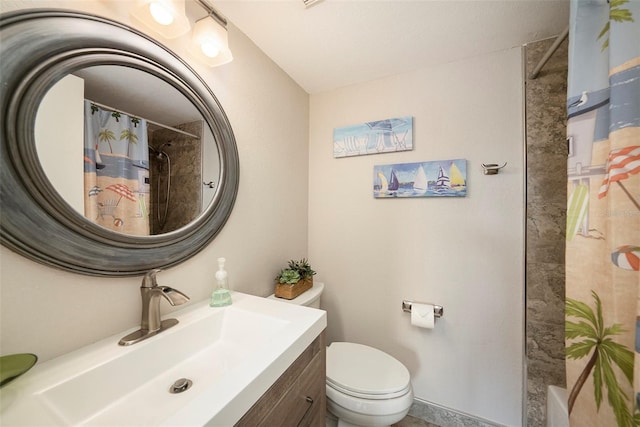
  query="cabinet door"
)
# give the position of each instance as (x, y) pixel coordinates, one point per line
(301, 404)
(297, 398)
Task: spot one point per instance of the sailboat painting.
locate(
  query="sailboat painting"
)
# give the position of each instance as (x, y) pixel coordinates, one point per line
(443, 178)
(381, 136)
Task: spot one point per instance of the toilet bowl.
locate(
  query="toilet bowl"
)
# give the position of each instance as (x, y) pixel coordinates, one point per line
(364, 386)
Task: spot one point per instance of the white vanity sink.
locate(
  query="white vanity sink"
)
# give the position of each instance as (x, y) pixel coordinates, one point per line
(232, 355)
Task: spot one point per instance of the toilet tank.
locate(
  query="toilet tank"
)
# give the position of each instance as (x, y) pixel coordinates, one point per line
(310, 298)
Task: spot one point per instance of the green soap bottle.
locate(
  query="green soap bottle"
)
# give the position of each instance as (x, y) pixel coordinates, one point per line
(221, 296)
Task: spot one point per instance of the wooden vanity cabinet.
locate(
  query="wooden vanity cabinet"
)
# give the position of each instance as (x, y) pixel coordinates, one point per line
(297, 398)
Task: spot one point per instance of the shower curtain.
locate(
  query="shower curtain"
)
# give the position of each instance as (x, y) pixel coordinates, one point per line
(116, 170)
(603, 214)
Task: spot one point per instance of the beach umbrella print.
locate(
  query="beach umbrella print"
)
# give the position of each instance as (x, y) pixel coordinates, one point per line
(622, 163)
(122, 191)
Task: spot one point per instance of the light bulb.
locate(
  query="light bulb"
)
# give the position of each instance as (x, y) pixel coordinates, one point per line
(210, 42)
(210, 49)
(161, 13)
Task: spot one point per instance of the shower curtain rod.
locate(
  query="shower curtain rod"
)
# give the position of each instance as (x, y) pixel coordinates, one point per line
(550, 52)
(106, 107)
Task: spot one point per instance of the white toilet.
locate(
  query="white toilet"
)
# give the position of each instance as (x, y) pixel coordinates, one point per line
(365, 386)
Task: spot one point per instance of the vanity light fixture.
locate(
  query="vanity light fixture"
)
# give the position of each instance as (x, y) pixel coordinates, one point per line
(165, 17)
(210, 42)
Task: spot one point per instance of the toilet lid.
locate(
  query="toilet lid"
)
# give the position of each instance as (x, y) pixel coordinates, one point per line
(361, 370)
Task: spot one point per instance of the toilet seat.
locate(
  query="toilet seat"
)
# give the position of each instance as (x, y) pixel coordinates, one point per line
(365, 372)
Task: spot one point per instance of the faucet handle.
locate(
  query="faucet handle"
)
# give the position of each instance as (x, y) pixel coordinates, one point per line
(149, 279)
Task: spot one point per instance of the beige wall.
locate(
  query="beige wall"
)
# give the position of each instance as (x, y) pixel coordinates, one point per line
(50, 312)
(465, 253)
(55, 135)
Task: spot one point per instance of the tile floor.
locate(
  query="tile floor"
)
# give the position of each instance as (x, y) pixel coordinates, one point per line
(410, 421)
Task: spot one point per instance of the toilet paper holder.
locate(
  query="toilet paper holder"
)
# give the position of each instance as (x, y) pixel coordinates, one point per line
(438, 310)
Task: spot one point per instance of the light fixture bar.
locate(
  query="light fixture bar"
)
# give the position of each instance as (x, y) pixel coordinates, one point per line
(214, 13)
(308, 3)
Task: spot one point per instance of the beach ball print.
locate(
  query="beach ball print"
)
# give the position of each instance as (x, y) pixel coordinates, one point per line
(117, 222)
(627, 257)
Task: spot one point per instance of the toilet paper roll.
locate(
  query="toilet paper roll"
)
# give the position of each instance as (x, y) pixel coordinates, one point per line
(422, 315)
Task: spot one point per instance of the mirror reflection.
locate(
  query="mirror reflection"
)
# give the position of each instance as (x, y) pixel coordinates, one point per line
(126, 150)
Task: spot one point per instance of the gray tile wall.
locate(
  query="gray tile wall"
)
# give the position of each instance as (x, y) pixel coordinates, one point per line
(185, 202)
(546, 215)
(440, 416)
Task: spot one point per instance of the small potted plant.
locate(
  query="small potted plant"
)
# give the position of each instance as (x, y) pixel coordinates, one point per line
(295, 279)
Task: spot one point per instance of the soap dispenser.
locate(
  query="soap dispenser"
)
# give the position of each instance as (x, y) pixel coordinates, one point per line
(221, 296)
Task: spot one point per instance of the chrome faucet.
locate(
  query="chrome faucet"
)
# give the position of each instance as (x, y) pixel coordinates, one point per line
(151, 324)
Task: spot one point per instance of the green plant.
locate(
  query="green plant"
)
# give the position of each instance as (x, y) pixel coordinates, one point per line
(303, 268)
(295, 271)
(289, 277)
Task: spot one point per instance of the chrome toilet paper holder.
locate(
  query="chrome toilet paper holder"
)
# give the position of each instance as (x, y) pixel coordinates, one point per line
(438, 310)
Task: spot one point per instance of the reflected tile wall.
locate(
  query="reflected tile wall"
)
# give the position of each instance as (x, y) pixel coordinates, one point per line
(185, 201)
(546, 216)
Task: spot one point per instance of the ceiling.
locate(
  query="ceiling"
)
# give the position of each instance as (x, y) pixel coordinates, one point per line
(134, 92)
(335, 43)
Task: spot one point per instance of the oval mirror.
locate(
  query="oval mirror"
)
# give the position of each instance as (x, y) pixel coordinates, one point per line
(44, 190)
(102, 122)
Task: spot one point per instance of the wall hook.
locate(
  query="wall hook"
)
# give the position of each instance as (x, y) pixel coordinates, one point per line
(492, 168)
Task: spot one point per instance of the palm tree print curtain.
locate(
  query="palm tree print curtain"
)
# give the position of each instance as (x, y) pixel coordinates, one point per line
(603, 214)
(116, 170)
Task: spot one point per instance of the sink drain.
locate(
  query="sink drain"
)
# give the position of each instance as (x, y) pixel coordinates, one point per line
(183, 384)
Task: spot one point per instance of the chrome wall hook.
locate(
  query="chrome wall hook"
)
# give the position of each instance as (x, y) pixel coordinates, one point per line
(492, 168)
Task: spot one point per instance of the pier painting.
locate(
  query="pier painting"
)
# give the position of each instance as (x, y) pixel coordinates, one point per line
(443, 178)
(381, 136)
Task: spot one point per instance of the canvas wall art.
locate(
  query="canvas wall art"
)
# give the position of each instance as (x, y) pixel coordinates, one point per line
(443, 178)
(382, 136)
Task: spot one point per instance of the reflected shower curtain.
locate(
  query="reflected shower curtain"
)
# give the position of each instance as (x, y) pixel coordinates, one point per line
(603, 214)
(116, 166)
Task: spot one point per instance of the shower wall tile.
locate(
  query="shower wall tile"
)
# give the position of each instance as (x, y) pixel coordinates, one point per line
(185, 201)
(185, 153)
(537, 396)
(546, 222)
(545, 302)
(545, 179)
(546, 216)
(445, 417)
(543, 346)
(546, 232)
